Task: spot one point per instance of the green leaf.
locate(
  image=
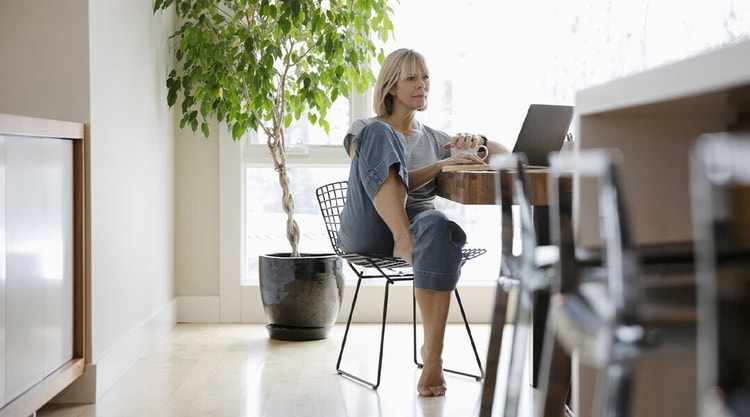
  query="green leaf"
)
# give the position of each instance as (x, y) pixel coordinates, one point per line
(238, 130)
(193, 123)
(171, 97)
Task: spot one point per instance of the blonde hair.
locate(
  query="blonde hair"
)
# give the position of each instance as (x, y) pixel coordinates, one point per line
(398, 65)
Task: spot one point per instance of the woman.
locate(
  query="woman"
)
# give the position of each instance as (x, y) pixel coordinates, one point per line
(390, 202)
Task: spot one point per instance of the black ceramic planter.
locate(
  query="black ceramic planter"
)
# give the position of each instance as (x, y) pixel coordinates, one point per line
(301, 296)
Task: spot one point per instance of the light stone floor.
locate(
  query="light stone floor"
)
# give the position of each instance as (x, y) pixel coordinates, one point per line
(234, 370)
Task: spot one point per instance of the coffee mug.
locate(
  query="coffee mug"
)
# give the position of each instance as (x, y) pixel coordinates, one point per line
(471, 151)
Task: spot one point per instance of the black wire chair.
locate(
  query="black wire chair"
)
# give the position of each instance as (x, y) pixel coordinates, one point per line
(331, 198)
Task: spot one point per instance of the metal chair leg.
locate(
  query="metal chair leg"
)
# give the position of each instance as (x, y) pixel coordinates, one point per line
(471, 340)
(376, 384)
(348, 325)
(468, 331)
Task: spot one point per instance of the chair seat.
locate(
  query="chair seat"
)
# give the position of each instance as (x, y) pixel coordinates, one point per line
(375, 261)
(390, 263)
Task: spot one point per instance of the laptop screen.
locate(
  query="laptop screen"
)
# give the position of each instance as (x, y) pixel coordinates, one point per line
(543, 131)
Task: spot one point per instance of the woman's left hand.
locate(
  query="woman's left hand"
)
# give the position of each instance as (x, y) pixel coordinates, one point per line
(464, 141)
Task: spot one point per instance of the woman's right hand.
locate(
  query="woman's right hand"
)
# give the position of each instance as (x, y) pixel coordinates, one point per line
(463, 159)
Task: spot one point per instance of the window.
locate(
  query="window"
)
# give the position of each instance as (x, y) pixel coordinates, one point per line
(314, 159)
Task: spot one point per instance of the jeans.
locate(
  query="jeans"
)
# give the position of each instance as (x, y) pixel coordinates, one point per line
(436, 256)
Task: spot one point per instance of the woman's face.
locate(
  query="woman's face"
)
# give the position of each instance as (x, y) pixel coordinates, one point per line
(412, 90)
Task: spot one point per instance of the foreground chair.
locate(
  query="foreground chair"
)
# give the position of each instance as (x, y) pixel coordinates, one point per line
(331, 198)
(720, 191)
(520, 277)
(605, 305)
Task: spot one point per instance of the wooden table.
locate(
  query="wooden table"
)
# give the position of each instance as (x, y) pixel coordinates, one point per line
(478, 187)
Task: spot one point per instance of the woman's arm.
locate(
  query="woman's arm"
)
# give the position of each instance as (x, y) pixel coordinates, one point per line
(350, 150)
(419, 177)
(494, 148)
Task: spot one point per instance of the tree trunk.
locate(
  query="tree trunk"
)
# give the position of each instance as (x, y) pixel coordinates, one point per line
(287, 202)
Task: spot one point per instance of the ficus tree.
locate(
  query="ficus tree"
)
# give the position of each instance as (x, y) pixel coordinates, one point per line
(261, 64)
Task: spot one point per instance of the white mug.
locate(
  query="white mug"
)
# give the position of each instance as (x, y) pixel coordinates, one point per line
(472, 151)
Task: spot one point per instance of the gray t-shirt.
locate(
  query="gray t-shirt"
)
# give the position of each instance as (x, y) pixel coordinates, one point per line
(424, 147)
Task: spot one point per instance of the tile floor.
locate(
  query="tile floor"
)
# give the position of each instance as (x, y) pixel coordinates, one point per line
(236, 370)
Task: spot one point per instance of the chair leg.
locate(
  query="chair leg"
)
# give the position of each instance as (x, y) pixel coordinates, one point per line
(493, 351)
(556, 380)
(471, 340)
(518, 351)
(555, 373)
(468, 332)
(414, 328)
(348, 325)
(376, 384)
(540, 308)
(615, 401)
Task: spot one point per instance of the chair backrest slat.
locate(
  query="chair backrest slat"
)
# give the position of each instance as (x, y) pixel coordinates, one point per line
(331, 198)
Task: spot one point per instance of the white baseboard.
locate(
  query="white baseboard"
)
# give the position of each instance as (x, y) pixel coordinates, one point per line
(197, 309)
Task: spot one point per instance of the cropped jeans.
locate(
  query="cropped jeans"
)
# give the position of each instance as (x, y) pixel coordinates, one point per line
(436, 256)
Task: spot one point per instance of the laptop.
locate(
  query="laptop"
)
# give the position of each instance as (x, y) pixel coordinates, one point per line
(543, 131)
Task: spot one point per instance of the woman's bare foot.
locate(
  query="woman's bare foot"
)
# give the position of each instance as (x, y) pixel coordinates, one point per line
(432, 381)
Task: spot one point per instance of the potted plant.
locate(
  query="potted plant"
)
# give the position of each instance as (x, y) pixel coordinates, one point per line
(261, 64)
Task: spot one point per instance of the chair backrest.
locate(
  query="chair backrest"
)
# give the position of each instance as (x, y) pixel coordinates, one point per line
(618, 256)
(331, 199)
(512, 189)
(720, 192)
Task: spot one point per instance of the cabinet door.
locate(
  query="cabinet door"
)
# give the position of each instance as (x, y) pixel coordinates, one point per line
(39, 295)
(3, 275)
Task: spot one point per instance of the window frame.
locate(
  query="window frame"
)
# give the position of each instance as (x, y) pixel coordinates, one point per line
(257, 155)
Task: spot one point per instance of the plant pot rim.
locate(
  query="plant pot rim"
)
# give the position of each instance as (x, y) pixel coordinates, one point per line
(301, 255)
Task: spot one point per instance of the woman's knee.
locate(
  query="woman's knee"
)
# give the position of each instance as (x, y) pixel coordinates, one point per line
(436, 226)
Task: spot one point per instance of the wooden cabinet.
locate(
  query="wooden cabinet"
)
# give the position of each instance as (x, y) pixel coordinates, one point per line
(41, 260)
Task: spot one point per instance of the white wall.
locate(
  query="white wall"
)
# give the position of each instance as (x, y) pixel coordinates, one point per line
(197, 214)
(44, 59)
(104, 63)
(132, 183)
